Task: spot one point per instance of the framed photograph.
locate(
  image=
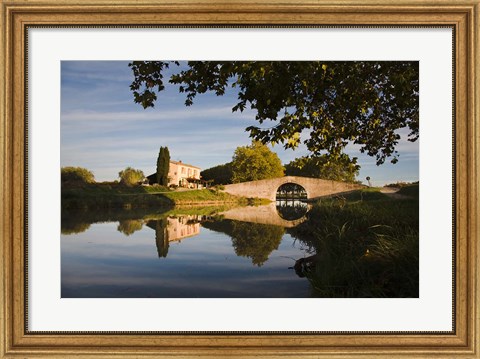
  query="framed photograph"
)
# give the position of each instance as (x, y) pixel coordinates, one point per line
(239, 179)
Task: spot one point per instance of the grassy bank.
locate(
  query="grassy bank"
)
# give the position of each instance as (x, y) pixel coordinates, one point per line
(410, 191)
(364, 244)
(114, 195)
(205, 196)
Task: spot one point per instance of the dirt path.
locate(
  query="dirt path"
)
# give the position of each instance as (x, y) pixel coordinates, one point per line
(392, 192)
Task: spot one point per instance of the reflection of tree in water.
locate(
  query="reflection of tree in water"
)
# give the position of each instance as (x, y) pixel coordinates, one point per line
(161, 235)
(73, 227)
(256, 241)
(252, 240)
(129, 226)
(79, 220)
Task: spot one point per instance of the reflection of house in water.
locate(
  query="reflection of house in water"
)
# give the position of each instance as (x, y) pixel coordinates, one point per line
(182, 227)
(172, 229)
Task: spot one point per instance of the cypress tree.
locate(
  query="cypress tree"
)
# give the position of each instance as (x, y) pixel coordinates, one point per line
(163, 165)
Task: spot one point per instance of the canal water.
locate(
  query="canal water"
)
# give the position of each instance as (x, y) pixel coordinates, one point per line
(246, 252)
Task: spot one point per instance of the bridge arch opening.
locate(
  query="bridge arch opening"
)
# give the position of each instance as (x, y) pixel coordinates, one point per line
(291, 201)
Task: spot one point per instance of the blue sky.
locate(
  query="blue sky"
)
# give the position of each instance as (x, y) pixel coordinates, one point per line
(102, 129)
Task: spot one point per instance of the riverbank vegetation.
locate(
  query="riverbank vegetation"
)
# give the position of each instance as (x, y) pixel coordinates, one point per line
(116, 195)
(364, 244)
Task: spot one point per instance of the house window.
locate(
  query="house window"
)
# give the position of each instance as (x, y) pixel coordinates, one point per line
(183, 170)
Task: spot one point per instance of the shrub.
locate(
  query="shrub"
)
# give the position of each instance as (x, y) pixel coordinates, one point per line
(77, 174)
(130, 176)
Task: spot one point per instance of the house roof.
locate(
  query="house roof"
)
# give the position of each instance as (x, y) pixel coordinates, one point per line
(183, 164)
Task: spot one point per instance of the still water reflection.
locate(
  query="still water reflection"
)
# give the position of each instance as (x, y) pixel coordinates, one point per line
(291, 210)
(240, 252)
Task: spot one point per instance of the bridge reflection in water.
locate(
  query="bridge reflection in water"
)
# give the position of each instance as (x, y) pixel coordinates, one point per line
(268, 214)
(290, 202)
(292, 210)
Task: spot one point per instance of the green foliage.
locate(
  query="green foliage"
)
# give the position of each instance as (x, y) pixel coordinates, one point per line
(196, 196)
(337, 102)
(112, 196)
(163, 165)
(255, 162)
(76, 175)
(130, 176)
(100, 195)
(343, 168)
(156, 188)
(221, 174)
(148, 76)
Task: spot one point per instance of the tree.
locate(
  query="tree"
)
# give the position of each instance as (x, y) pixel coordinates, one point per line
(255, 162)
(335, 102)
(130, 176)
(163, 165)
(343, 169)
(221, 174)
(76, 175)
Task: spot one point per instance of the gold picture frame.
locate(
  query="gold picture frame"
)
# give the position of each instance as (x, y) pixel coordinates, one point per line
(462, 16)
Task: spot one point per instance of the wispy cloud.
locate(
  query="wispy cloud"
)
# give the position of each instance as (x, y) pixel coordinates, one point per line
(187, 113)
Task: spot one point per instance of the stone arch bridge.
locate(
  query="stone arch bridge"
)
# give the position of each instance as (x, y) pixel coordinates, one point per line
(268, 188)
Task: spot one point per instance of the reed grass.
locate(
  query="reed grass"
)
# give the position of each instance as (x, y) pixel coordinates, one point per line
(364, 245)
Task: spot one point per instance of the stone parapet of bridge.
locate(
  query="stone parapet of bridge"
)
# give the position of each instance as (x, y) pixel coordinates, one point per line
(267, 188)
